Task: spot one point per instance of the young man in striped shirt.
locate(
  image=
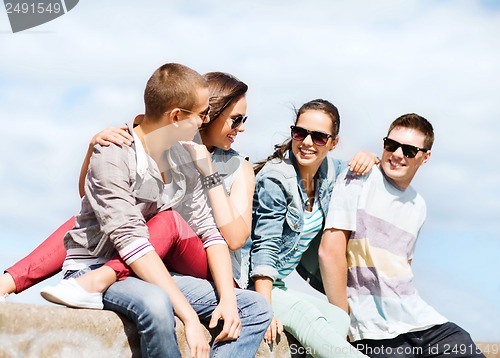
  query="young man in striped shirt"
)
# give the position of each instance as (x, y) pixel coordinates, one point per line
(376, 219)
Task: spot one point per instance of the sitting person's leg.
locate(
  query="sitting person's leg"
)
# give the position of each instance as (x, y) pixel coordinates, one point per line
(398, 347)
(447, 340)
(176, 243)
(43, 262)
(172, 239)
(254, 311)
(318, 325)
(149, 308)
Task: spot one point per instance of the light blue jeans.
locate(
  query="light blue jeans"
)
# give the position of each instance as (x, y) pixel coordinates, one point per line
(319, 326)
(150, 309)
(254, 311)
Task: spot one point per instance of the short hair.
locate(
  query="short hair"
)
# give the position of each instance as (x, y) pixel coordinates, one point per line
(172, 85)
(414, 121)
(225, 89)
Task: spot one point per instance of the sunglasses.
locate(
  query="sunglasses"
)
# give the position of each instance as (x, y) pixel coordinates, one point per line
(203, 115)
(409, 151)
(238, 120)
(318, 138)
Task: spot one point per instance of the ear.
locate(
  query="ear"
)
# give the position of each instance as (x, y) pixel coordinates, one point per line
(174, 115)
(427, 156)
(171, 116)
(334, 143)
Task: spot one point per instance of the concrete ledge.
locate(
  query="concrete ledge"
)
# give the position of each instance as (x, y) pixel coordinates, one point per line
(50, 331)
(30, 331)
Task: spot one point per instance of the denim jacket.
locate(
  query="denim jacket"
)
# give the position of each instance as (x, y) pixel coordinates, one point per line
(278, 211)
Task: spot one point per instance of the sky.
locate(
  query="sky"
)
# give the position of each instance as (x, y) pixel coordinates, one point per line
(64, 81)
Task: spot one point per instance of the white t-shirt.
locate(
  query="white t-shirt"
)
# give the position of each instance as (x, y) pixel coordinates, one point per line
(385, 223)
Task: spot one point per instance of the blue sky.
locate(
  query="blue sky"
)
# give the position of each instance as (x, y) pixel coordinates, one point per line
(65, 80)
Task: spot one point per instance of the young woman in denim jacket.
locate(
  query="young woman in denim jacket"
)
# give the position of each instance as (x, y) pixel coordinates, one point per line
(293, 188)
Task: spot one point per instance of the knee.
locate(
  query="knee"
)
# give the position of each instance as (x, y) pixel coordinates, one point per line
(155, 311)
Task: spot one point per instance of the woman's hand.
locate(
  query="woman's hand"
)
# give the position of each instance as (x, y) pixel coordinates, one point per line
(115, 135)
(273, 331)
(363, 162)
(201, 157)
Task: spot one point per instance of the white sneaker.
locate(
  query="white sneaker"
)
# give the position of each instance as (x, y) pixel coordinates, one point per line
(3, 297)
(70, 293)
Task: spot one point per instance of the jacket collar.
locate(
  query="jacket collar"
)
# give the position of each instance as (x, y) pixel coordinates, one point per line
(144, 162)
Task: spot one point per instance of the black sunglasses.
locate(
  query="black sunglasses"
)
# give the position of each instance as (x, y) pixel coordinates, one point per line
(318, 138)
(409, 151)
(238, 120)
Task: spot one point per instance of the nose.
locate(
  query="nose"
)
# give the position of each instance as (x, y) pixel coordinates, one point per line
(398, 152)
(241, 127)
(308, 140)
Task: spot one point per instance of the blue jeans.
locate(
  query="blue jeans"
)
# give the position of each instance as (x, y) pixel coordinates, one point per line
(445, 340)
(254, 311)
(150, 309)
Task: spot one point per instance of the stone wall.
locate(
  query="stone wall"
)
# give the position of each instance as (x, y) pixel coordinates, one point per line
(30, 331)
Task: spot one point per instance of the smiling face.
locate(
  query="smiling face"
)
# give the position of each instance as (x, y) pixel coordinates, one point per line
(219, 133)
(399, 169)
(308, 154)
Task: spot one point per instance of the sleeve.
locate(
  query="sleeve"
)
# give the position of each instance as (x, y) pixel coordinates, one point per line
(270, 206)
(195, 206)
(109, 192)
(343, 207)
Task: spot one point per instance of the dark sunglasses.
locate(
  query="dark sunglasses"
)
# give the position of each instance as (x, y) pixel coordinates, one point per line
(238, 120)
(409, 151)
(318, 138)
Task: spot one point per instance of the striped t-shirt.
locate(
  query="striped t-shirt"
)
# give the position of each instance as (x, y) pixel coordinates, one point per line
(385, 223)
(313, 221)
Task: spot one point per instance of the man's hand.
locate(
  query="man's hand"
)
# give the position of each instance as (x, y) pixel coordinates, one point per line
(228, 312)
(273, 331)
(196, 340)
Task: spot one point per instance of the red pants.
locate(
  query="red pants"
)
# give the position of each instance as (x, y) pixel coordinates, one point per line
(173, 239)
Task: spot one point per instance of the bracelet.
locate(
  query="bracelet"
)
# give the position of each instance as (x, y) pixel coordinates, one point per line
(211, 181)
